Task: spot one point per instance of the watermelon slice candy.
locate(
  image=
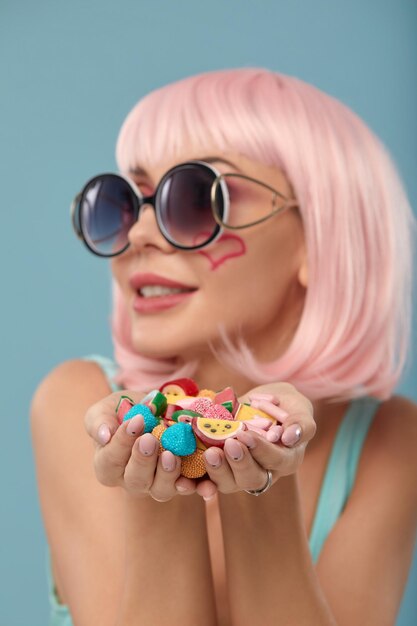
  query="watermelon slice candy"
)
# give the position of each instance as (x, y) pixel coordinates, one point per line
(124, 405)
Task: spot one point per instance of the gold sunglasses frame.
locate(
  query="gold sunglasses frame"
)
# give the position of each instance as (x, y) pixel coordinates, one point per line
(289, 203)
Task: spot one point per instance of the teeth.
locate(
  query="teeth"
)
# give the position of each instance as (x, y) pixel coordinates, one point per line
(152, 291)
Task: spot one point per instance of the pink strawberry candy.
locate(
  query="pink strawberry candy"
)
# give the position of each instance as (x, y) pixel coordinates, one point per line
(200, 405)
(217, 411)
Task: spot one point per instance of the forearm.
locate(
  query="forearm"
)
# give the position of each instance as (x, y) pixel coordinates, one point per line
(168, 577)
(271, 577)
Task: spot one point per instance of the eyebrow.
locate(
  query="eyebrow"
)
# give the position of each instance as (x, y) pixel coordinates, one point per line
(139, 171)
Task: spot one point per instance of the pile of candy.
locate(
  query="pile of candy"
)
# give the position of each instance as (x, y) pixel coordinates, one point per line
(187, 421)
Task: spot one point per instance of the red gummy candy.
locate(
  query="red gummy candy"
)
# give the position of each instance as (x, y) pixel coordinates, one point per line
(181, 385)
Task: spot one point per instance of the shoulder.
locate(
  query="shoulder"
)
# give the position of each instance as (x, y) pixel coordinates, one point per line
(58, 408)
(392, 439)
(78, 380)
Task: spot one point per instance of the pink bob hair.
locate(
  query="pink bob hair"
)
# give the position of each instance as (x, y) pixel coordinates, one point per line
(354, 333)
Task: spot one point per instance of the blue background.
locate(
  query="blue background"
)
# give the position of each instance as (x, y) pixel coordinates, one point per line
(69, 73)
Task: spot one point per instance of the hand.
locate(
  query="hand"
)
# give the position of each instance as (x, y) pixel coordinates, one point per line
(127, 458)
(243, 463)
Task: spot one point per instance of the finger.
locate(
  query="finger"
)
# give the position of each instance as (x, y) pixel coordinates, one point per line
(140, 470)
(273, 456)
(110, 461)
(264, 396)
(101, 420)
(274, 433)
(185, 486)
(219, 470)
(248, 474)
(207, 489)
(167, 471)
(271, 409)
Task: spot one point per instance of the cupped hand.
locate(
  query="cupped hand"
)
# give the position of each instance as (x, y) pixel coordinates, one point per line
(243, 462)
(126, 457)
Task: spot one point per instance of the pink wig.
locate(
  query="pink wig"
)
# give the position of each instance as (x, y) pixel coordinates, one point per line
(354, 332)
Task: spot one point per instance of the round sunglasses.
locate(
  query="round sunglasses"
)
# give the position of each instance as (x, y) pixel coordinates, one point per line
(192, 204)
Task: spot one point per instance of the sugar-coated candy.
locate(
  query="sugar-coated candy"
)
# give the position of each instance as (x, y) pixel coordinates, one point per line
(192, 465)
(208, 409)
(149, 418)
(179, 439)
(207, 393)
(157, 432)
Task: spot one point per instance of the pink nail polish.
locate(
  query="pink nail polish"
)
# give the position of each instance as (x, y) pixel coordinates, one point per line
(168, 461)
(104, 434)
(291, 435)
(247, 439)
(233, 449)
(213, 457)
(272, 436)
(147, 444)
(134, 425)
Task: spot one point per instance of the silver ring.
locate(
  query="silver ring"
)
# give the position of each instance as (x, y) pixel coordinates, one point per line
(258, 492)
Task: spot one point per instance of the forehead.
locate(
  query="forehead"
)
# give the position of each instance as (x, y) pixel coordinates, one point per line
(223, 162)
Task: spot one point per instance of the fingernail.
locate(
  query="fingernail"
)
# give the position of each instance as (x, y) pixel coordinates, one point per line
(134, 425)
(272, 436)
(276, 411)
(147, 444)
(247, 439)
(104, 434)
(291, 435)
(180, 488)
(261, 396)
(274, 433)
(168, 461)
(208, 498)
(213, 457)
(234, 449)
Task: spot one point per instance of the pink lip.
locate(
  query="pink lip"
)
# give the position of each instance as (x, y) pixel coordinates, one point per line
(137, 281)
(157, 303)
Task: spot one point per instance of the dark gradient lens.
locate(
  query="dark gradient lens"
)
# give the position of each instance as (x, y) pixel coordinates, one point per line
(107, 212)
(183, 205)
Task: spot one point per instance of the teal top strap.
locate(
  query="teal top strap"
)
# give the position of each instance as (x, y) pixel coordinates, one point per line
(108, 366)
(341, 470)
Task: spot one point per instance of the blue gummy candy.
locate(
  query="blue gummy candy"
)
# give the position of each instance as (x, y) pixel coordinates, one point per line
(179, 439)
(149, 418)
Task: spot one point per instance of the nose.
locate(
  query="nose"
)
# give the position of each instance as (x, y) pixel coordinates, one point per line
(145, 231)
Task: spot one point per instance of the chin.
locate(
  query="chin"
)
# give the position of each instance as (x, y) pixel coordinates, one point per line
(159, 345)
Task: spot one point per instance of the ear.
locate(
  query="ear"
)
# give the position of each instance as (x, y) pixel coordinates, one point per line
(303, 274)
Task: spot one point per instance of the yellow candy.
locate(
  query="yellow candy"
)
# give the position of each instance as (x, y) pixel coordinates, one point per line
(172, 398)
(246, 412)
(207, 393)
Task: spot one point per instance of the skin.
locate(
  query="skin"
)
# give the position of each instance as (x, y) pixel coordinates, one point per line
(234, 247)
(149, 503)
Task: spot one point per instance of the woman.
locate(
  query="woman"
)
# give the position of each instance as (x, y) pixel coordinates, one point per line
(260, 239)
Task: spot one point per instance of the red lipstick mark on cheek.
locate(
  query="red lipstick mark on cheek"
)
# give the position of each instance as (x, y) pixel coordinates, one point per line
(227, 247)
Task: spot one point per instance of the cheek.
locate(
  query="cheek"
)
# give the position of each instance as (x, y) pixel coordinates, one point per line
(227, 247)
